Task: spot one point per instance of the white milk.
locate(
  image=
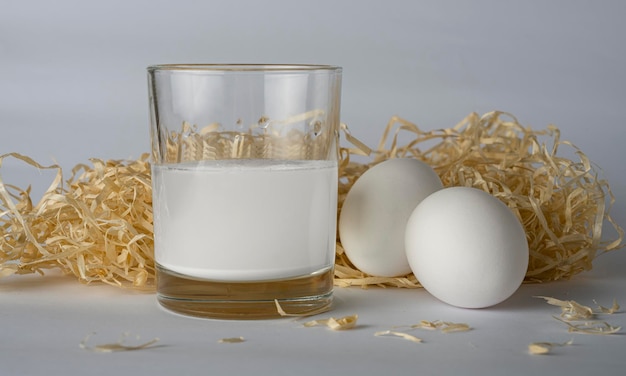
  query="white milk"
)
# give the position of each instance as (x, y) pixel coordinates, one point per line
(245, 220)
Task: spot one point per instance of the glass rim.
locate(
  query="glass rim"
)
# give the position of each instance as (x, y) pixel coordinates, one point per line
(244, 67)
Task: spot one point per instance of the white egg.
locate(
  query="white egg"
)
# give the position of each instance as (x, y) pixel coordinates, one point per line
(374, 214)
(466, 247)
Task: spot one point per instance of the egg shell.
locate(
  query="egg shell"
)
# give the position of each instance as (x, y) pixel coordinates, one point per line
(375, 211)
(466, 247)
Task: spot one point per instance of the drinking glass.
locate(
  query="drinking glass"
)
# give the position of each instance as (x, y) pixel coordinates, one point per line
(244, 178)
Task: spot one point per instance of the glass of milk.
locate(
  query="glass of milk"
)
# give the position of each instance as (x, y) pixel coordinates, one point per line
(244, 177)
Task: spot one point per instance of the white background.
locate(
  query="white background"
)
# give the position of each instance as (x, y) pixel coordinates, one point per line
(73, 80)
(73, 86)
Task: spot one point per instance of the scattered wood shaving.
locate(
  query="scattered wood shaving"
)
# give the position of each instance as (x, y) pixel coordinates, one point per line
(444, 326)
(542, 348)
(539, 348)
(429, 325)
(406, 336)
(572, 313)
(614, 308)
(282, 312)
(570, 309)
(455, 327)
(232, 340)
(591, 327)
(115, 347)
(342, 323)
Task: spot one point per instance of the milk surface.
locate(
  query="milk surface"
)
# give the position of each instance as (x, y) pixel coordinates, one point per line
(245, 220)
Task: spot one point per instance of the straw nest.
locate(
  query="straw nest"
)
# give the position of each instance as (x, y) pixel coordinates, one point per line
(97, 225)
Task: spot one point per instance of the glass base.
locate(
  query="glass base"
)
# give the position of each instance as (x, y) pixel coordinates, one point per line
(244, 300)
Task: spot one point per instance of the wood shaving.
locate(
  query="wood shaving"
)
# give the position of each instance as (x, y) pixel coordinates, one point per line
(570, 309)
(542, 348)
(591, 327)
(232, 340)
(614, 308)
(443, 326)
(342, 323)
(455, 327)
(282, 312)
(99, 227)
(115, 347)
(305, 140)
(406, 336)
(579, 318)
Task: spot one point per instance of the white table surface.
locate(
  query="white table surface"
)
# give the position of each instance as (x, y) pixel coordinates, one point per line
(44, 319)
